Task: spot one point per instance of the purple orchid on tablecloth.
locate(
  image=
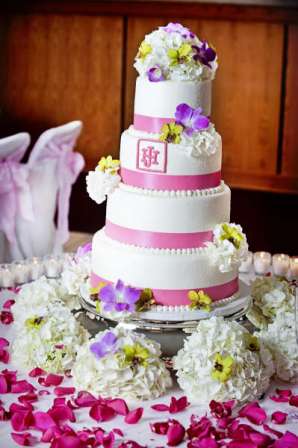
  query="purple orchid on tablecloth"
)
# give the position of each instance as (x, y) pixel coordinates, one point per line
(204, 54)
(119, 297)
(191, 119)
(155, 74)
(178, 28)
(105, 345)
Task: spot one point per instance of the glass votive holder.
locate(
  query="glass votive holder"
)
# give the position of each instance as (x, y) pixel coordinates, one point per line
(294, 268)
(262, 262)
(52, 266)
(20, 271)
(280, 264)
(6, 276)
(247, 263)
(36, 269)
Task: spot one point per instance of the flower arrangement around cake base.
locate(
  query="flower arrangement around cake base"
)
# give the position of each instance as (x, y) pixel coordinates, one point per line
(120, 362)
(222, 361)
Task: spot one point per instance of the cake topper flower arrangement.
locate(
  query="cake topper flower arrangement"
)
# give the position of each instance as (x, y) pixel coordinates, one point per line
(221, 361)
(173, 52)
(229, 246)
(121, 363)
(104, 179)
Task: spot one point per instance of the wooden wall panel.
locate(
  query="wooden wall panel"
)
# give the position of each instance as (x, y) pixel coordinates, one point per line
(61, 68)
(290, 137)
(246, 102)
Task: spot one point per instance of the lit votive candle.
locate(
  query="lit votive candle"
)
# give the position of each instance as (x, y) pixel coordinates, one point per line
(20, 271)
(36, 268)
(294, 268)
(262, 262)
(6, 276)
(52, 267)
(247, 263)
(280, 264)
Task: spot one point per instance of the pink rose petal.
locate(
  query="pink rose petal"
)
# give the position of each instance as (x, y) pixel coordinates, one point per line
(118, 431)
(160, 407)
(43, 421)
(132, 444)
(159, 427)
(199, 428)
(3, 343)
(101, 413)
(254, 413)
(24, 407)
(178, 405)
(283, 395)
(20, 421)
(51, 433)
(134, 416)
(241, 444)
(85, 399)
(279, 417)
(37, 371)
(3, 385)
(108, 441)
(119, 405)
(31, 397)
(294, 400)
(6, 317)
(205, 442)
(61, 414)
(4, 415)
(288, 440)
(67, 441)
(8, 304)
(59, 391)
(267, 428)
(22, 386)
(175, 433)
(51, 380)
(4, 356)
(43, 392)
(24, 439)
(260, 439)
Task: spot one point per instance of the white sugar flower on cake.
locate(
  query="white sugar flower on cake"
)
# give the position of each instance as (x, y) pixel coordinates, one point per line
(229, 246)
(48, 336)
(119, 362)
(174, 52)
(203, 143)
(280, 337)
(270, 296)
(222, 361)
(104, 179)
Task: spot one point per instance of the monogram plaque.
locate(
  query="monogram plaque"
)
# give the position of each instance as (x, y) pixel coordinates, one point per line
(152, 156)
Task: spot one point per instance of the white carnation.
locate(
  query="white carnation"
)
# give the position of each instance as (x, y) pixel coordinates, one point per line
(100, 184)
(280, 337)
(202, 143)
(108, 376)
(251, 370)
(223, 252)
(51, 343)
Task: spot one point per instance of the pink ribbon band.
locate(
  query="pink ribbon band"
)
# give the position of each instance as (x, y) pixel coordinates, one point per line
(157, 181)
(149, 124)
(158, 240)
(180, 296)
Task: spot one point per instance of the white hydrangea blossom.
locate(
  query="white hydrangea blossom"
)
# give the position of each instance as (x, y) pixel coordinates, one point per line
(202, 143)
(161, 41)
(107, 376)
(75, 273)
(100, 184)
(48, 336)
(270, 295)
(223, 251)
(251, 370)
(280, 337)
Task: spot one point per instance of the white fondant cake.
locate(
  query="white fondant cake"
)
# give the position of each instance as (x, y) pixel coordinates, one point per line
(167, 224)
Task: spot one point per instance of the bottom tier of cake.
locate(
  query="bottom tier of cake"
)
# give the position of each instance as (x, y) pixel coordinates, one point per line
(170, 273)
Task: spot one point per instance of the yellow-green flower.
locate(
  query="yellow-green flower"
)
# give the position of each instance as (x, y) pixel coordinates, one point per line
(231, 234)
(180, 55)
(171, 133)
(146, 300)
(135, 355)
(252, 343)
(34, 322)
(144, 50)
(108, 164)
(200, 300)
(222, 368)
(97, 306)
(96, 289)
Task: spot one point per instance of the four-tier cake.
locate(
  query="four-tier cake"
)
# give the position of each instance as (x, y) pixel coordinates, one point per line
(167, 242)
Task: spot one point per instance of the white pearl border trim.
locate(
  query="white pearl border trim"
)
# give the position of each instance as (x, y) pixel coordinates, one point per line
(174, 193)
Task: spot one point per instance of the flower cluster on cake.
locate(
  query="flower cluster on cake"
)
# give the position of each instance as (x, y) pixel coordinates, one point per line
(168, 224)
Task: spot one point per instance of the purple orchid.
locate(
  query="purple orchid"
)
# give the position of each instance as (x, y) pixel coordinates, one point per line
(84, 249)
(191, 119)
(107, 344)
(204, 54)
(155, 74)
(178, 28)
(119, 297)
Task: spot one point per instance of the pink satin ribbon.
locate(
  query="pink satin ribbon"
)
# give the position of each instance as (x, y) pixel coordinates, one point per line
(159, 240)
(180, 296)
(150, 124)
(156, 181)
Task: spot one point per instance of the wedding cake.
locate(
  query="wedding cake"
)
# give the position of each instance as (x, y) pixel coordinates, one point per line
(168, 243)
